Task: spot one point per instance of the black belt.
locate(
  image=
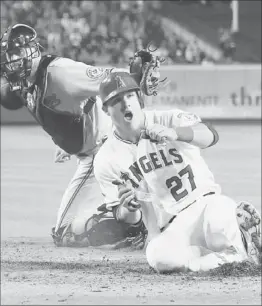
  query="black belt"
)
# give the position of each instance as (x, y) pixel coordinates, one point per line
(171, 220)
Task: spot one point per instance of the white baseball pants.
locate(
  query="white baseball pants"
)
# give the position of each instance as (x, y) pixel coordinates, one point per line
(199, 238)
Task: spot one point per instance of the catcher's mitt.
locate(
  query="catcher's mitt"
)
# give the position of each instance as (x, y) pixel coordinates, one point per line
(144, 67)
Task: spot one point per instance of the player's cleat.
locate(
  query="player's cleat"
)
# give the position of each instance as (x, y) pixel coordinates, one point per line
(249, 221)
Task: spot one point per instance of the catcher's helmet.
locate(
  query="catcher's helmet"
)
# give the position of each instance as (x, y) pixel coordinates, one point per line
(18, 48)
(116, 83)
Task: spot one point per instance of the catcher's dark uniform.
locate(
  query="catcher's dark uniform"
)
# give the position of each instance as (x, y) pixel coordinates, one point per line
(62, 100)
(78, 128)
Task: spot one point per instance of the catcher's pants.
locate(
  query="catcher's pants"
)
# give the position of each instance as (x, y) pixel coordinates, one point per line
(199, 238)
(82, 196)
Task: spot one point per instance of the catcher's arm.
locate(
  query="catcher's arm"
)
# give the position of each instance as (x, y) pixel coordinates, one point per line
(75, 81)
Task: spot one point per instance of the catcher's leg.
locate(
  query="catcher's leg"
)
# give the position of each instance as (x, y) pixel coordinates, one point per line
(80, 200)
(79, 223)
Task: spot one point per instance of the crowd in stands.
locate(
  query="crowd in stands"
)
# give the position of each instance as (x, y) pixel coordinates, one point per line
(202, 2)
(100, 32)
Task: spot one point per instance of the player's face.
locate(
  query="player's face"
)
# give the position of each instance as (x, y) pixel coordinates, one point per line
(125, 112)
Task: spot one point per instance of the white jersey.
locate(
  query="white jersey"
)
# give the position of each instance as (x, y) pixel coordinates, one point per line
(176, 174)
(116, 160)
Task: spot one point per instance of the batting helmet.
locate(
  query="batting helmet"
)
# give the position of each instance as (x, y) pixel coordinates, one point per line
(18, 48)
(116, 83)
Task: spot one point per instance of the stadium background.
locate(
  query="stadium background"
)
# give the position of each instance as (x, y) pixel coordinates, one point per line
(205, 62)
(206, 76)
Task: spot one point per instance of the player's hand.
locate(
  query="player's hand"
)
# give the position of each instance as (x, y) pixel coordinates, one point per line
(127, 196)
(160, 133)
(61, 156)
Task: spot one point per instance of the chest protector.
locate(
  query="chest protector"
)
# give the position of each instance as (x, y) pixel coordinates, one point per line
(66, 129)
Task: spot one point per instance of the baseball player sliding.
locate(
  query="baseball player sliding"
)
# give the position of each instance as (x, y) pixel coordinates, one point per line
(61, 95)
(153, 161)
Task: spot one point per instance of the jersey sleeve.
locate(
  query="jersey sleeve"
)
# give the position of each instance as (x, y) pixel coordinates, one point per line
(71, 83)
(172, 118)
(77, 78)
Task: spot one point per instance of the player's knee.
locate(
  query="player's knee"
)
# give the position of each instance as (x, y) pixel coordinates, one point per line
(219, 223)
(165, 258)
(219, 212)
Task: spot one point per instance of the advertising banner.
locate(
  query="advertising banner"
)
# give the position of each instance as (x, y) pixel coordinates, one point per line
(214, 92)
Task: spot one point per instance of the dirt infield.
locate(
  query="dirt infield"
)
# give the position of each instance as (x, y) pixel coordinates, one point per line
(33, 271)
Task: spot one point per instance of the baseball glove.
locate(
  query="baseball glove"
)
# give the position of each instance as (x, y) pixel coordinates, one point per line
(144, 67)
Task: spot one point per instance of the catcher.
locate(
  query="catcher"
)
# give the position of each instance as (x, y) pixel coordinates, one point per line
(61, 95)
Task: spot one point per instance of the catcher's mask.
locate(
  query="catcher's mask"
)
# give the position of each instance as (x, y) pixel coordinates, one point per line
(116, 83)
(18, 49)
